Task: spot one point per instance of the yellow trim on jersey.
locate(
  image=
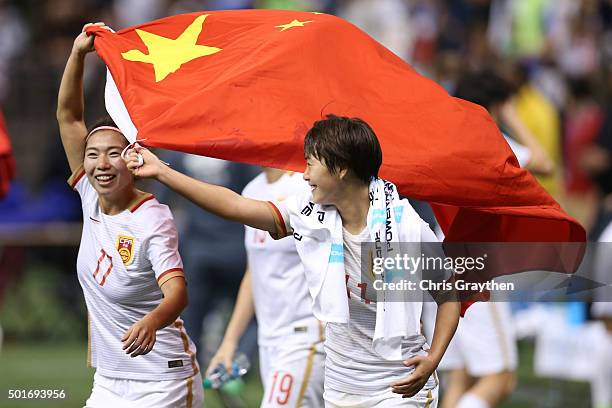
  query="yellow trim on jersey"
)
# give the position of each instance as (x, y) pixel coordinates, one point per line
(279, 222)
(306, 376)
(321, 331)
(76, 176)
(429, 399)
(169, 274)
(185, 340)
(309, 364)
(139, 200)
(189, 401)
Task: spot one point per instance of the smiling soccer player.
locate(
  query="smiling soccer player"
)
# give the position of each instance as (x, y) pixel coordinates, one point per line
(376, 353)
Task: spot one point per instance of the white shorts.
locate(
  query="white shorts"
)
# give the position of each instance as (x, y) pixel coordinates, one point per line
(484, 343)
(292, 374)
(602, 310)
(385, 399)
(122, 393)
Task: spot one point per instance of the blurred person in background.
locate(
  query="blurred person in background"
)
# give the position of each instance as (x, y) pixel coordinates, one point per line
(580, 51)
(481, 360)
(133, 12)
(489, 90)
(13, 38)
(387, 21)
(542, 119)
(212, 250)
(601, 390)
(290, 338)
(596, 161)
(128, 265)
(583, 123)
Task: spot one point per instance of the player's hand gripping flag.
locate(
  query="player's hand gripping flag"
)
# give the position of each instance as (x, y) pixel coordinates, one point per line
(246, 86)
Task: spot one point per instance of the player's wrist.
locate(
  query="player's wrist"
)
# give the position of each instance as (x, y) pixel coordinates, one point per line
(230, 343)
(153, 321)
(435, 357)
(78, 52)
(163, 173)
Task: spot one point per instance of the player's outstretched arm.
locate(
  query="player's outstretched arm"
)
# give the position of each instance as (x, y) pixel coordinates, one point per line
(139, 339)
(447, 319)
(70, 105)
(218, 200)
(244, 309)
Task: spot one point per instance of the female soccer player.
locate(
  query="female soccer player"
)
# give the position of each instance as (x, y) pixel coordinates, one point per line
(290, 338)
(128, 266)
(376, 354)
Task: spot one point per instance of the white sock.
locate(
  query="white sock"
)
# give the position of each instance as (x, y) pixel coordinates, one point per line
(470, 400)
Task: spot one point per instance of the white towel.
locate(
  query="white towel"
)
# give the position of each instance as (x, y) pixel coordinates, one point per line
(318, 237)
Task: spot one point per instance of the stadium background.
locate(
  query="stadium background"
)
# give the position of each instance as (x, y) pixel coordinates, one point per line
(563, 47)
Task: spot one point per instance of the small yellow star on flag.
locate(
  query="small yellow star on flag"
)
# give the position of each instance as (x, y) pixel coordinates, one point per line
(168, 55)
(294, 23)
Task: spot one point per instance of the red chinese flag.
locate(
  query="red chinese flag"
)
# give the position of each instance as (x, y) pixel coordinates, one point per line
(246, 86)
(7, 162)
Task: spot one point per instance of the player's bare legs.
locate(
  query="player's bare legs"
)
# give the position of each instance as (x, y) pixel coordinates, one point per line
(483, 392)
(458, 382)
(494, 388)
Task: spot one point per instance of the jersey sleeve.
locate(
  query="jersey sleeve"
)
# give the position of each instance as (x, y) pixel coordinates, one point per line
(522, 153)
(79, 182)
(281, 219)
(162, 248)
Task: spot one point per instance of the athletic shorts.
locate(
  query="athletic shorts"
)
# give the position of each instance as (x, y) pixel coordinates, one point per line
(122, 393)
(602, 310)
(292, 374)
(484, 342)
(384, 399)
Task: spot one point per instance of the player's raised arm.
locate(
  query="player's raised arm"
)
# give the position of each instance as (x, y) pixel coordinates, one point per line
(70, 110)
(218, 200)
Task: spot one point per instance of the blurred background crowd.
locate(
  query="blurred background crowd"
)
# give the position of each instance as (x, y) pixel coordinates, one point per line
(543, 68)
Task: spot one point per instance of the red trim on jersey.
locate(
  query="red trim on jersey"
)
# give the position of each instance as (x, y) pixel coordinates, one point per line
(141, 202)
(279, 219)
(108, 271)
(169, 271)
(76, 177)
(99, 260)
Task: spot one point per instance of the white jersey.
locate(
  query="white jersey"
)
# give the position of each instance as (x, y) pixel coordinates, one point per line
(123, 260)
(283, 305)
(352, 365)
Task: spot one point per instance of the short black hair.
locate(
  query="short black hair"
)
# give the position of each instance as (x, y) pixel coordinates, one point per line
(341, 142)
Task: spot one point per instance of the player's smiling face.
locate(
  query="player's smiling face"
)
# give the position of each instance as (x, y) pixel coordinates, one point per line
(323, 184)
(103, 164)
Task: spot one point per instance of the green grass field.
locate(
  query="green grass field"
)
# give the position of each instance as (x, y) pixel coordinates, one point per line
(62, 367)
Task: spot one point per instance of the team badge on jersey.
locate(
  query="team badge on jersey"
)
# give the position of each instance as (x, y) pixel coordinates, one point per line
(125, 247)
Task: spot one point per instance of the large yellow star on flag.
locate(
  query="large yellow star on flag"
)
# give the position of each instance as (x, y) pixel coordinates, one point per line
(168, 55)
(294, 23)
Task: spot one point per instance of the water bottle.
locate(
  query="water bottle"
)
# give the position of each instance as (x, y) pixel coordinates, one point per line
(220, 376)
